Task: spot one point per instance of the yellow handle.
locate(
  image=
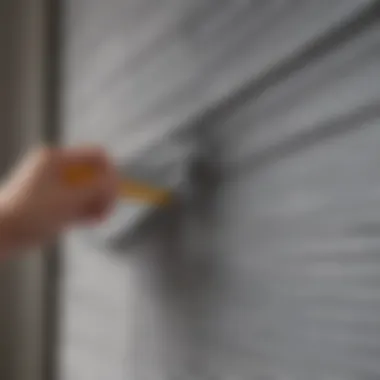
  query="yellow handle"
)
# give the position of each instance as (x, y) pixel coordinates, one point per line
(80, 175)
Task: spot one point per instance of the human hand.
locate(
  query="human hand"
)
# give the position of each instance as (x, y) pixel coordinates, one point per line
(36, 204)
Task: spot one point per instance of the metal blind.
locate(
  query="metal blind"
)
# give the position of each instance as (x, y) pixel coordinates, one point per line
(284, 280)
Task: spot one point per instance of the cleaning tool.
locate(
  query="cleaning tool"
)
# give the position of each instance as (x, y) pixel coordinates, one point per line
(128, 188)
(152, 184)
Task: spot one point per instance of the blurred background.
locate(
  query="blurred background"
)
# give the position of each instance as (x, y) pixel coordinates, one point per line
(26, 109)
(272, 271)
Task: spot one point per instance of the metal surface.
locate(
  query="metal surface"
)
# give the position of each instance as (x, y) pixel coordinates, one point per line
(271, 270)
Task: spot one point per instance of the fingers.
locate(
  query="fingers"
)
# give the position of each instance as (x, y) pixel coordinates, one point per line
(97, 210)
(88, 200)
(92, 156)
(94, 199)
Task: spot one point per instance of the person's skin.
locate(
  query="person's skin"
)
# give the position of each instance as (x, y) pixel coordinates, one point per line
(36, 204)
